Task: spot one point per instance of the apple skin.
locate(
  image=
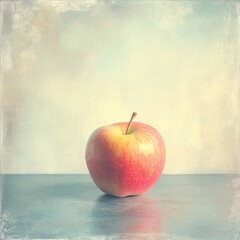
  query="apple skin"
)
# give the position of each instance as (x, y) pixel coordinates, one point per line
(123, 164)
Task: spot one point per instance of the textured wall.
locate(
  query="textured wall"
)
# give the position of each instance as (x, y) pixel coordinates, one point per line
(69, 67)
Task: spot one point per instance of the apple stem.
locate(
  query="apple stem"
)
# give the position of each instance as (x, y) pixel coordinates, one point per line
(134, 114)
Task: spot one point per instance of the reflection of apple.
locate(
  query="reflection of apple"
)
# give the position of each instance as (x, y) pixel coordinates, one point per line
(125, 158)
(129, 218)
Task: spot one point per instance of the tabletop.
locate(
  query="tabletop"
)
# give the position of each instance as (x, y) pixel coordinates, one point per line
(177, 207)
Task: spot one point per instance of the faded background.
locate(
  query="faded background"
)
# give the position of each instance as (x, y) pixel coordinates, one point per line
(69, 67)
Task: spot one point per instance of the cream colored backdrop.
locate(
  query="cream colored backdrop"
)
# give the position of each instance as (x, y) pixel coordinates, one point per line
(69, 67)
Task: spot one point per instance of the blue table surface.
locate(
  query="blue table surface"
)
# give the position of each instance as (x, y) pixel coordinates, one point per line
(178, 207)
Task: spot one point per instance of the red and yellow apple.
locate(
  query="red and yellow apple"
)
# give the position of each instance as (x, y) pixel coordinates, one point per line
(125, 159)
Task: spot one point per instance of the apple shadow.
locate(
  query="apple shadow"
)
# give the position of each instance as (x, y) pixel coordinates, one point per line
(129, 215)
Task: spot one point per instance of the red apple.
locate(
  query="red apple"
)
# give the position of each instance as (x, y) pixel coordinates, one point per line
(125, 158)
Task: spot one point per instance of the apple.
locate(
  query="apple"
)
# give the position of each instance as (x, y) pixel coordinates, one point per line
(125, 159)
